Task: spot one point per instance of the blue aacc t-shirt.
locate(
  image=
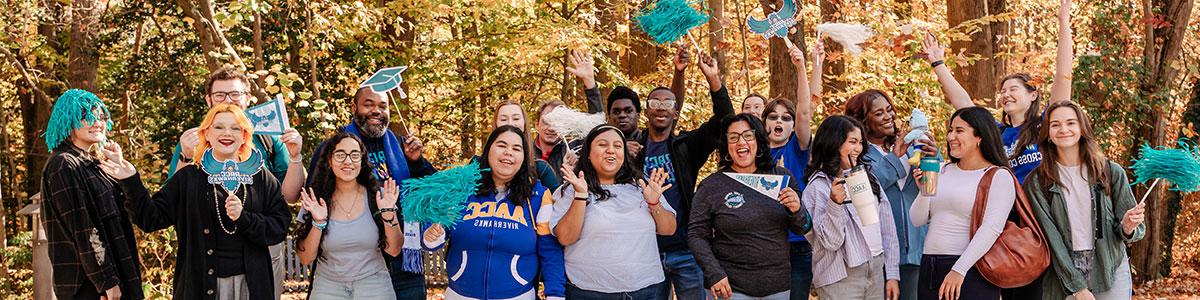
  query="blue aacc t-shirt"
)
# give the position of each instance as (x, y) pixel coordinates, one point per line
(1030, 157)
(795, 160)
(658, 156)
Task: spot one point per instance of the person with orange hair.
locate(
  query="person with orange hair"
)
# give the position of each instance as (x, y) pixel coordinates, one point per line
(223, 229)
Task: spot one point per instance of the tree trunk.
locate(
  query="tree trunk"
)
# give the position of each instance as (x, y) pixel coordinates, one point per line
(980, 79)
(643, 55)
(782, 72)
(834, 67)
(82, 58)
(717, 36)
(199, 17)
(1159, 58)
(607, 11)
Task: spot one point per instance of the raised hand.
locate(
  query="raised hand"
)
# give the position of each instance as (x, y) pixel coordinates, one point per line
(313, 205)
(413, 148)
(233, 207)
(797, 57)
(789, 199)
(188, 141)
(682, 58)
(934, 51)
(708, 66)
(1064, 11)
(115, 165)
(1133, 217)
(294, 142)
(581, 65)
(388, 194)
(577, 181)
(652, 191)
(818, 51)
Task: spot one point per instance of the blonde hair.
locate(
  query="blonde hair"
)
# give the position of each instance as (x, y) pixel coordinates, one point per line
(239, 116)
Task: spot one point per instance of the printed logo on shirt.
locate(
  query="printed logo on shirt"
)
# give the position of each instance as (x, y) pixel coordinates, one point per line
(379, 168)
(734, 200)
(493, 214)
(660, 161)
(1031, 155)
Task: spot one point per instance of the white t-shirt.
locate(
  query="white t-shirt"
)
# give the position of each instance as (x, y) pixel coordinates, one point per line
(617, 250)
(1078, 196)
(949, 214)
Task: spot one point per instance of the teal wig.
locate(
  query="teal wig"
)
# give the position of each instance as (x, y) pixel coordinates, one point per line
(70, 110)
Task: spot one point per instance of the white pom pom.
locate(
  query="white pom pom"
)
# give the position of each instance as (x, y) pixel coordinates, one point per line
(849, 35)
(571, 124)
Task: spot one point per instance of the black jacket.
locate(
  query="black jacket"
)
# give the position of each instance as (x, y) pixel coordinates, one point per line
(689, 152)
(186, 201)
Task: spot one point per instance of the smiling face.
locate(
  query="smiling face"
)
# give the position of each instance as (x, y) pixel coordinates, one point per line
(346, 160)
(607, 153)
(851, 148)
(882, 118)
(510, 114)
(371, 112)
(1065, 129)
(505, 157)
(739, 137)
(660, 109)
(225, 136)
(780, 125)
(231, 91)
(90, 133)
(1015, 98)
(623, 115)
(962, 139)
(753, 105)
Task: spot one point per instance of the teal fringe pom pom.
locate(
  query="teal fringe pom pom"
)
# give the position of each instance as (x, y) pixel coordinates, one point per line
(670, 20)
(69, 109)
(441, 197)
(1179, 166)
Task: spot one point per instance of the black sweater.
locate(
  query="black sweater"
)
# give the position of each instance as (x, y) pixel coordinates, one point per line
(186, 202)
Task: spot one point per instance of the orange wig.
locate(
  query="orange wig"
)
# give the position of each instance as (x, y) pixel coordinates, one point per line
(239, 115)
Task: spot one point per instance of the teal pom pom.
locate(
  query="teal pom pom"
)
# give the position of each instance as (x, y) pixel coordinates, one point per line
(70, 108)
(441, 197)
(670, 20)
(1179, 166)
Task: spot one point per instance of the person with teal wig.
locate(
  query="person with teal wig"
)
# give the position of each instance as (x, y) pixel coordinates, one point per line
(92, 247)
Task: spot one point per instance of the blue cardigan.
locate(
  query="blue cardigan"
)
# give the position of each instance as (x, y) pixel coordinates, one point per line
(499, 248)
(888, 169)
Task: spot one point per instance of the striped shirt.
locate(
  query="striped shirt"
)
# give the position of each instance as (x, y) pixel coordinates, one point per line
(839, 239)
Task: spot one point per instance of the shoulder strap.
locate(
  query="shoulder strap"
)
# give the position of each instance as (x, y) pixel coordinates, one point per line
(981, 199)
(1021, 205)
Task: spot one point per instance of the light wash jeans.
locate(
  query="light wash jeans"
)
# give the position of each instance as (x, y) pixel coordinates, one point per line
(1122, 286)
(376, 286)
(784, 295)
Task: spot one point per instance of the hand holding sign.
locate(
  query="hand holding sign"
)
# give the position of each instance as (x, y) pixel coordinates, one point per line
(269, 118)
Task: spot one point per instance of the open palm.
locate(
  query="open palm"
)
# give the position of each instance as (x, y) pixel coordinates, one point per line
(653, 190)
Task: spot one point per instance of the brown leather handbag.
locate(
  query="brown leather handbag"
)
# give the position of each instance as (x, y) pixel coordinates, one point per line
(1020, 255)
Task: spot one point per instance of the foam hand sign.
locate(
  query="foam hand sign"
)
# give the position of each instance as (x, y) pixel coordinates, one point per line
(230, 174)
(385, 80)
(269, 118)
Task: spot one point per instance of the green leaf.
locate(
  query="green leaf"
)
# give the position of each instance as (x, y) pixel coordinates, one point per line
(319, 104)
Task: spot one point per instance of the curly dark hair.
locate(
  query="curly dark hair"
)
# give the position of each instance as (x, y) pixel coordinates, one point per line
(325, 182)
(627, 174)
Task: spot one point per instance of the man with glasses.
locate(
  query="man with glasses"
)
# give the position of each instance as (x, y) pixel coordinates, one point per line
(393, 157)
(230, 86)
(682, 155)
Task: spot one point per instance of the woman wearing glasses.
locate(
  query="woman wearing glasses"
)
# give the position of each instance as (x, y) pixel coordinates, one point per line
(348, 226)
(739, 234)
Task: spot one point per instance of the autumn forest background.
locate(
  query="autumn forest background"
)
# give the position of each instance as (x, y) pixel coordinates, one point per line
(1136, 70)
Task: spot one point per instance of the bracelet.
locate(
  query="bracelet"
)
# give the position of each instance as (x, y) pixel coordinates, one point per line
(581, 196)
(653, 204)
(321, 226)
(937, 63)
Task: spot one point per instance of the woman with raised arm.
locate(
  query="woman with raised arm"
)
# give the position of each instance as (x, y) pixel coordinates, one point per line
(223, 235)
(1086, 209)
(1019, 97)
(348, 226)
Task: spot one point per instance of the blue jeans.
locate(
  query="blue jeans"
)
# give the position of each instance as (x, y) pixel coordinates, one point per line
(802, 274)
(372, 287)
(684, 274)
(408, 286)
(652, 292)
(776, 296)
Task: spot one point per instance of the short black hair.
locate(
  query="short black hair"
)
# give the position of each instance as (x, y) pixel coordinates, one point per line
(624, 92)
(764, 163)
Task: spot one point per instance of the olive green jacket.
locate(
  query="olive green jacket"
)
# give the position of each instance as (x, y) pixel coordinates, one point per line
(1062, 278)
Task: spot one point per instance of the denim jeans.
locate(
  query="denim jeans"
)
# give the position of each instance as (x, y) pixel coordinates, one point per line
(683, 275)
(802, 274)
(372, 287)
(776, 296)
(408, 286)
(652, 292)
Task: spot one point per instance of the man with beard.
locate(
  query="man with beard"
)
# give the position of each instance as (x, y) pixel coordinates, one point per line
(392, 157)
(230, 86)
(682, 155)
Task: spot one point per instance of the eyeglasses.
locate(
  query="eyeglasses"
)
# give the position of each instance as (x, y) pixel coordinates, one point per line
(221, 96)
(341, 156)
(661, 104)
(734, 138)
(783, 118)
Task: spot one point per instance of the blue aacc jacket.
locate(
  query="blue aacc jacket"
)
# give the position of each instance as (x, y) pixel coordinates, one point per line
(499, 248)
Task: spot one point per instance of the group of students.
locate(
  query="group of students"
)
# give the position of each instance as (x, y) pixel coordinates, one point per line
(621, 215)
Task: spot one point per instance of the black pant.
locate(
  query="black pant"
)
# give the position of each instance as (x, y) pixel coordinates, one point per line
(1032, 291)
(933, 271)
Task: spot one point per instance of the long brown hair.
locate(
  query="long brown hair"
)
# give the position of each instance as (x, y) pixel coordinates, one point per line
(1093, 160)
(859, 106)
(1027, 134)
